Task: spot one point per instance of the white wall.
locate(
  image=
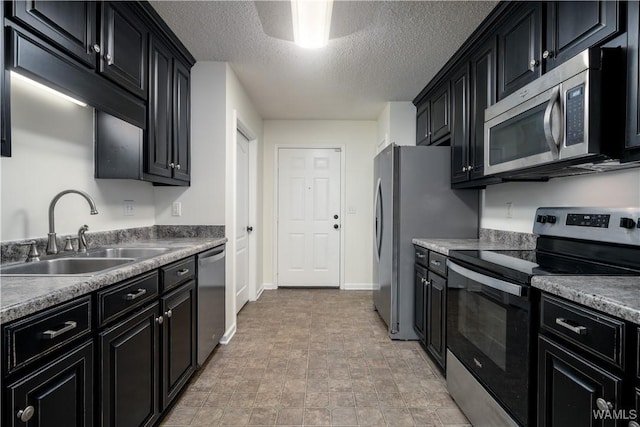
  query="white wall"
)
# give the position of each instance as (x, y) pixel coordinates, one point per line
(360, 139)
(397, 124)
(52, 146)
(609, 189)
(204, 202)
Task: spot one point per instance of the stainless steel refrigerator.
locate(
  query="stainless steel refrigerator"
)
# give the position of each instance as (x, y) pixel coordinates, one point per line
(413, 199)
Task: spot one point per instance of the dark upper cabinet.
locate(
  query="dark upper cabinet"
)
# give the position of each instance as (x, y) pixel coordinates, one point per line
(129, 370)
(419, 308)
(423, 133)
(179, 340)
(633, 83)
(123, 54)
(5, 116)
(59, 394)
(159, 132)
(482, 94)
(181, 121)
(519, 48)
(440, 121)
(570, 386)
(460, 168)
(573, 26)
(436, 318)
(72, 25)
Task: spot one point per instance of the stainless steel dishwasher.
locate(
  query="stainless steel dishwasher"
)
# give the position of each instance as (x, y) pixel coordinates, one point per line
(211, 300)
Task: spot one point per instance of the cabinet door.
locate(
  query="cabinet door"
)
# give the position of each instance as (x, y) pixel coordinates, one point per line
(419, 309)
(483, 94)
(60, 394)
(179, 340)
(633, 78)
(423, 132)
(519, 49)
(460, 126)
(440, 121)
(72, 25)
(573, 26)
(129, 370)
(123, 58)
(5, 116)
(569, 386)
(436, 318)
(159, 130)
(181, 122)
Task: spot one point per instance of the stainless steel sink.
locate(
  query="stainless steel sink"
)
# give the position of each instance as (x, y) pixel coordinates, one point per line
(64, 266)
(126, 252)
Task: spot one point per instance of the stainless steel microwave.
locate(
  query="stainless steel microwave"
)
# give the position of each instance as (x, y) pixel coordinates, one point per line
(556, 119)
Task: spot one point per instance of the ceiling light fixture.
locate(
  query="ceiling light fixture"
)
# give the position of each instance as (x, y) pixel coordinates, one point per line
(46, 88)
(311, 22)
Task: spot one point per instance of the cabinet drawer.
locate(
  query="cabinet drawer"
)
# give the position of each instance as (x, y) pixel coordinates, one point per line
(177, 273)
(595, 332)
(438, 263)
(114, 302)
(32, 338)
(422, 256)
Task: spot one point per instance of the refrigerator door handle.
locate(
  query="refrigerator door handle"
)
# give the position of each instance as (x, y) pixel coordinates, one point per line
(377, 220)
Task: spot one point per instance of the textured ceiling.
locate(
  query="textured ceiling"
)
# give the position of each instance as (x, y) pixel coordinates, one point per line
(378, 51)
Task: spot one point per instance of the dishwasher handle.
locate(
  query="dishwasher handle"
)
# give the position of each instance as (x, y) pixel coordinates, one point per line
(216, 254)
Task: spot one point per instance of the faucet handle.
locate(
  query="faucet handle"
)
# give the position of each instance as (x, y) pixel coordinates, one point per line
(68, 246)
(82, 239)
(33, 254)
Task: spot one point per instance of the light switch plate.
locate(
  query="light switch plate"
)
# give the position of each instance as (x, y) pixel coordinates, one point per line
(176, 209)
(129, 208)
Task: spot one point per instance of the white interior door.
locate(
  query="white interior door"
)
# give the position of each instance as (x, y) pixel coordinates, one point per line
(309, 223)
(242, 222)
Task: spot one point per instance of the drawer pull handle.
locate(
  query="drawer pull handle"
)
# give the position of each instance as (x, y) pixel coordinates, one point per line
(435, 262)
(168, 314)
(132, 296)
(26, 414)
(603, 405)
(580, 330)
(419, 255)
(49, 335)
(182, 272)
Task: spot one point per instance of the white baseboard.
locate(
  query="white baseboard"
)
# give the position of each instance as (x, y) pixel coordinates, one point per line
(269, 286)
(259, 293)
(226, 338)
(358, 286)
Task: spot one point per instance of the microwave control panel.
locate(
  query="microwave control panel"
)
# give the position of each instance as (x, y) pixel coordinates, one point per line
(574, 106)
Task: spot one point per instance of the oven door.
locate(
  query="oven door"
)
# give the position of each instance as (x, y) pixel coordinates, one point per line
(488, 330)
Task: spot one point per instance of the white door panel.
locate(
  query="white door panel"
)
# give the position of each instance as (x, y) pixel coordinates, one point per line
(242, 222)
(308, 198)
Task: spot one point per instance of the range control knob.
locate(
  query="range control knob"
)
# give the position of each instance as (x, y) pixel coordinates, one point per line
(627, 223)
(541, 219)
(551, 219)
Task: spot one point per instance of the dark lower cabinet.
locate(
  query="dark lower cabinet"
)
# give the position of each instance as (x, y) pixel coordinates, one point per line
(59, 394)
(178, 340)
(436, 318)
(420, 295)
(129, 370)
(570, 388)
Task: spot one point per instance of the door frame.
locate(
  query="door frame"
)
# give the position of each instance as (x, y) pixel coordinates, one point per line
(231, 208)
(276, 186)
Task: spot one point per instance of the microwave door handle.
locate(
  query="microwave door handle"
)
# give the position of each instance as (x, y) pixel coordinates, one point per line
(548, 125)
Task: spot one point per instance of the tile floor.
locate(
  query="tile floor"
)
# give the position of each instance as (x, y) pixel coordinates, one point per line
(315, 357)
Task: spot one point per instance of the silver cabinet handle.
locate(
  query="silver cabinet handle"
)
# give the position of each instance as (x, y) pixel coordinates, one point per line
(603, 405)
(182, 272)
(420, 255)
(435, 262)
(26, 414)
(533, 63)
(580, 330)
(96, 48)
(132, 296)
(178, 166)
(547, 54)
(172, 165)
(168, 313)
(159, 320)
(423, 280)
(69, 325)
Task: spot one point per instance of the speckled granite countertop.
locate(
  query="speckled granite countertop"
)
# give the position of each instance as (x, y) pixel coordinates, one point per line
(618, 296)
(443, 246)
(24, 295)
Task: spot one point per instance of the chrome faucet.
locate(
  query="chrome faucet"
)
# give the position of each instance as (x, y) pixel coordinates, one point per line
(52, 246)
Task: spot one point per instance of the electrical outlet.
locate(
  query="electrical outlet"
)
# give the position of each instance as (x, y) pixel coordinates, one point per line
(129, 208)
(509, 212)
(176, 209)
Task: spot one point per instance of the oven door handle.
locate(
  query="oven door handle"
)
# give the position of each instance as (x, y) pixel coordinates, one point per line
(501, 285)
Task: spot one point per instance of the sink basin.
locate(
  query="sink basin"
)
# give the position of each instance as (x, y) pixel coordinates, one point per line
(64, 266)
(125, 252)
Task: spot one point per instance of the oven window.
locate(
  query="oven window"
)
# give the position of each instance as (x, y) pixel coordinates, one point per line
(484, 324)
(519, 137)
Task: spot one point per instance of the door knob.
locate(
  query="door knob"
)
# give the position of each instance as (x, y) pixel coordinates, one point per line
(249, 229)
(336, 226)
(335, 217)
